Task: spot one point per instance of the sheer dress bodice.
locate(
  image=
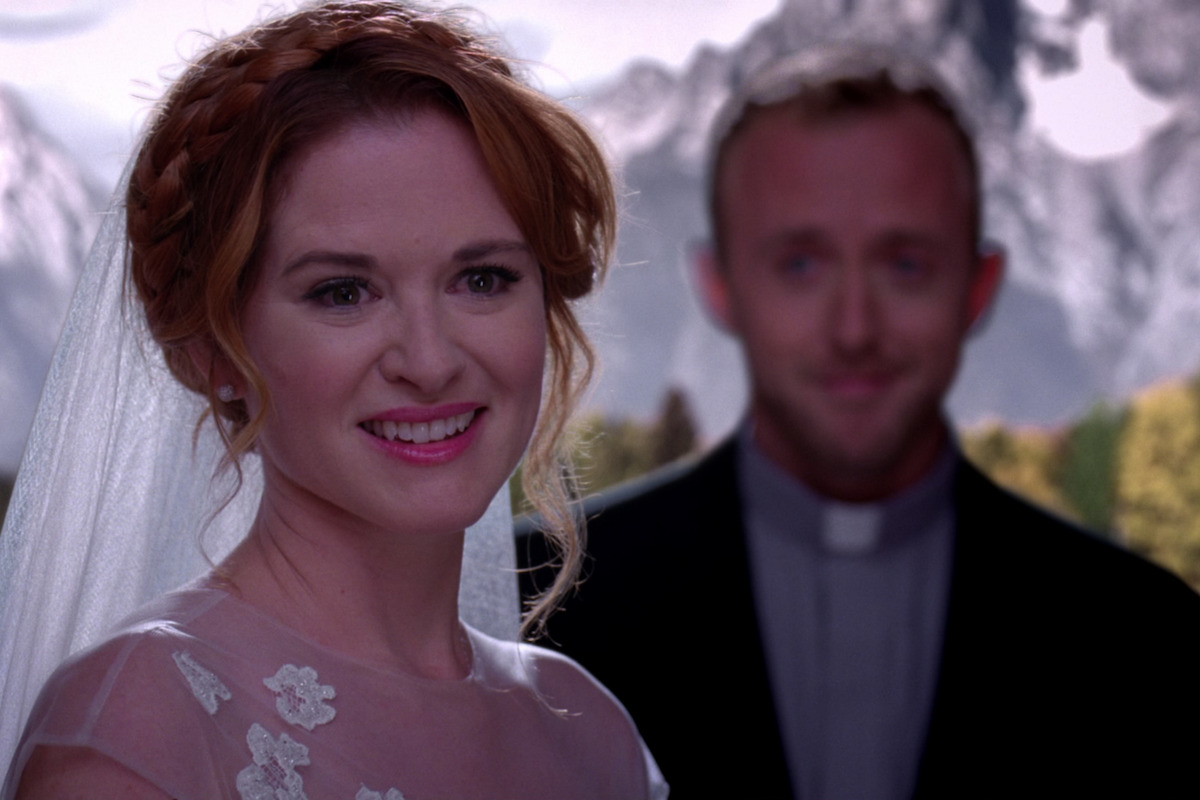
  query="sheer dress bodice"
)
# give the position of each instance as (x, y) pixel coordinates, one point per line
(204, 696)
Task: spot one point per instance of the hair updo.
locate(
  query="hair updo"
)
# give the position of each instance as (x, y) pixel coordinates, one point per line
(206, 176)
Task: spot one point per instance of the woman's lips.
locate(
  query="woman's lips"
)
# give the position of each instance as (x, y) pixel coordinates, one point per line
(419, 432)
(426, 436)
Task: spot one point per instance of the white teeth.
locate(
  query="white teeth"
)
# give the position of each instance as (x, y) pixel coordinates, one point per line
(421, 432)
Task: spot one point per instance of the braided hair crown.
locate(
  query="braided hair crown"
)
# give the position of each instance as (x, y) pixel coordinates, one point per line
(175, 205)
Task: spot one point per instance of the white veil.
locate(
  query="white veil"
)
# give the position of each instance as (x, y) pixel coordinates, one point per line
(113, 504)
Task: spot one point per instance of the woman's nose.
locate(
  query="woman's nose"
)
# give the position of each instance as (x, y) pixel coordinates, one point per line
(420, 349)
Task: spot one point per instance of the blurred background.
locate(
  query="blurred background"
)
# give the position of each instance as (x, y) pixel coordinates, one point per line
(1081, 391)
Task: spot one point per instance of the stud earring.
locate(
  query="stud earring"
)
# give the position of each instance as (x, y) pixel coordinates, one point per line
(225, 393)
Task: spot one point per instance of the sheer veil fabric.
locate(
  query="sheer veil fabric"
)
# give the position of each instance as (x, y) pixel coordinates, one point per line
(119, 498)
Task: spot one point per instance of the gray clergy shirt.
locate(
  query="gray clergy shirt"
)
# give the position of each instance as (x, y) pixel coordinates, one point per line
(851, 601)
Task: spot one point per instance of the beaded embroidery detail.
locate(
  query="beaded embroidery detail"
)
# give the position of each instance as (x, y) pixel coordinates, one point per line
(273, 774)
(366, 794)
(299, 699)
(206, 686)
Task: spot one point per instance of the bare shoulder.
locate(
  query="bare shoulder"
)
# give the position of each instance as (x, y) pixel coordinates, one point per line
(67, 773)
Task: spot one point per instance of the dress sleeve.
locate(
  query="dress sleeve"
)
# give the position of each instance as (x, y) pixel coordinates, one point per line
(129, 700)
(657, 788)
(611, 733)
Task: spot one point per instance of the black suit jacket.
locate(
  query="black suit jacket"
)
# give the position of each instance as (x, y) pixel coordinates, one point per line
(1070, 667)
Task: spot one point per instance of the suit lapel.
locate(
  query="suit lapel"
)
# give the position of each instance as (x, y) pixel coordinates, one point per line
(974, 641)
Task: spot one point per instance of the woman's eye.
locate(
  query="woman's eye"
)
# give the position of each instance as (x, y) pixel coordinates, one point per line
(339, 293)
(489, 280)
(344, 295)
(481, 283)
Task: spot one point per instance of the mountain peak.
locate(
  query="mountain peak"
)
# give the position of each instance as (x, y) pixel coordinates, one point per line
(1103, 266)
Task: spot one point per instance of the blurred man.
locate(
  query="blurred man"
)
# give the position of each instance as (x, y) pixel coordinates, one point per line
(834, 604)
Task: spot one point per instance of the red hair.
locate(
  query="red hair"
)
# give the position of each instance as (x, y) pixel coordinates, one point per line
(204, 181)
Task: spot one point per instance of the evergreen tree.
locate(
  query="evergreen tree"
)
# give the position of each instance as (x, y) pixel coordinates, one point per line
(674, 434)
(1089, 470)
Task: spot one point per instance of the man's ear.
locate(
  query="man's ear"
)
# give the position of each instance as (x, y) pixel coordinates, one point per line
(714, 285)
(985, 283)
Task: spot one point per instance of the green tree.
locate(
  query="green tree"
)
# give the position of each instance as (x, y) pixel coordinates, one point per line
(611, 451)
(1158, 478)
(674, 434)
(607, 450)
(1025, 461)
(604, 451)
(1089, 468)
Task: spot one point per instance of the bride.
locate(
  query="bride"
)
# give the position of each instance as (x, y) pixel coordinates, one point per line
(356, 235)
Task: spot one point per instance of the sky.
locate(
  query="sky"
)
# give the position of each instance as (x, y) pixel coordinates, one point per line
(91, 68)
(1096, 111)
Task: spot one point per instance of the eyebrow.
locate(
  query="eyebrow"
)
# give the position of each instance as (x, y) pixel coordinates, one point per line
(476, 251)
(889, 237)
(335, 257)
(362, 261)
(910, 238)
(792, 237)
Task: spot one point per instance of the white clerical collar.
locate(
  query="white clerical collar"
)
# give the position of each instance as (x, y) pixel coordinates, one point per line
(851, 529)
(782, 503)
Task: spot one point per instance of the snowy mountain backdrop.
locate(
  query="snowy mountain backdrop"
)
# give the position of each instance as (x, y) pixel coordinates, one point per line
(1103, 292)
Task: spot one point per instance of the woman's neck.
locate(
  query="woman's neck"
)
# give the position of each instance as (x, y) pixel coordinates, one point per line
(372, 594)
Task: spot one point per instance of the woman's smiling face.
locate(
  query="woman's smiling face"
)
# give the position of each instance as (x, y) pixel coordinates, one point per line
(398, 320)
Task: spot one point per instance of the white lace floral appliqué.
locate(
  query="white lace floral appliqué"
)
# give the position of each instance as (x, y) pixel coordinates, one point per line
(273, 774)
(206, 686)
(299, 698)
(366, 794)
